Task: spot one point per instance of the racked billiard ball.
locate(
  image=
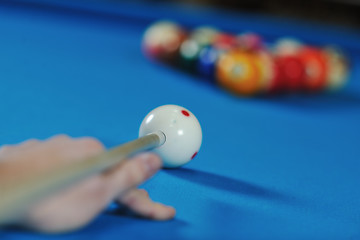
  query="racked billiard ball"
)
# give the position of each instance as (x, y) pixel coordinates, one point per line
(250, 41)
(209, 55)
(291, 72)
(240, 72)
(338, 67)
(207, 61)
(291, 67)
(204, 35)
(225, 42)
(162, 40)
(316, 69)
(286, 46)
(271, 82)
(190, 49)
(189, 53)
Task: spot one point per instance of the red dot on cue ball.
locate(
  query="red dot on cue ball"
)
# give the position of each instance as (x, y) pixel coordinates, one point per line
(193, 155)
(185, 113)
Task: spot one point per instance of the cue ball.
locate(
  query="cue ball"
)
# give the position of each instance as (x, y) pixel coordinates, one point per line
(182, 131)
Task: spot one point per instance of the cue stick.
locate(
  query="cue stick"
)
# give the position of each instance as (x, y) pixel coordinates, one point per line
(16, 197)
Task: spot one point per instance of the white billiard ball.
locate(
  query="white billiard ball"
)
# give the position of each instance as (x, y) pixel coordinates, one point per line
(183, 135)
(287, 46)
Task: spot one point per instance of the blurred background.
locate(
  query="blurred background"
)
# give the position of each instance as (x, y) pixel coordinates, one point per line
(339, 12)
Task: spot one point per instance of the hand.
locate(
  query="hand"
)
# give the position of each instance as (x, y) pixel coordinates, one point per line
(77, 205)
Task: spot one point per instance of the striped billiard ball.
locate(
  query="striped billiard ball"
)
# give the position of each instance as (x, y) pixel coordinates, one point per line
(162, 41)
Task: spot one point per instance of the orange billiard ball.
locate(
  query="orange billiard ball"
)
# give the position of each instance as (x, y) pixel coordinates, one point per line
(316, 69)
(240, 72)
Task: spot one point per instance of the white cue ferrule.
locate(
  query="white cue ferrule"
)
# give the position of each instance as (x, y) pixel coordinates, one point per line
(162, 137)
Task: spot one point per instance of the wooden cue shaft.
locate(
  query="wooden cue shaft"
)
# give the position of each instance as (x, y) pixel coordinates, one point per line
(15, 199)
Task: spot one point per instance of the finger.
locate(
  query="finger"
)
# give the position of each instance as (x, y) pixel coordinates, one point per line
(138, 201)
(10, 150)
(82, 148)
(59, 138)
(98, 191)
(131, 173)
(29, 143)
(6, 150)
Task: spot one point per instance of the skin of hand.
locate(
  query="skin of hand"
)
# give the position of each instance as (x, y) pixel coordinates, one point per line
(76, 206)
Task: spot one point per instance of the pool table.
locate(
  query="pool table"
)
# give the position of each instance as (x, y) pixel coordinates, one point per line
(280, 167)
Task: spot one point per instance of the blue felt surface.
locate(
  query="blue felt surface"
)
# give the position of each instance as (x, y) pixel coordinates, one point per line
(284, 167)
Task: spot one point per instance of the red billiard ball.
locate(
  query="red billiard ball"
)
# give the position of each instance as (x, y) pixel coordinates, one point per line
(291, 72)
(276, 83)
(225, 42)
(271, 80)
(289, 64)
(316, 69)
